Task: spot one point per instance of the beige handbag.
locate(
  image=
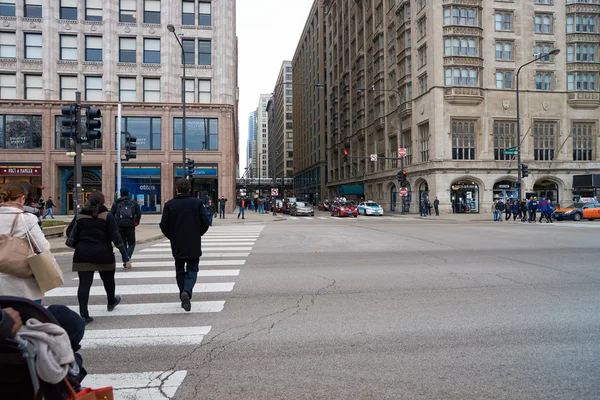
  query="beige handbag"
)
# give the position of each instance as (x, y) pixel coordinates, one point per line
(45, 269)
(13, 254)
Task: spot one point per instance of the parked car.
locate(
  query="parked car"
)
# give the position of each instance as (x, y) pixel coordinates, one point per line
(369, 208)
(302, 208)
(343, 209)
(577, 211)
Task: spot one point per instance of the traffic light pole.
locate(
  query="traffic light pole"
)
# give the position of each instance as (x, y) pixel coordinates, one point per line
(77, 174)
(401, 137)
(119, 150)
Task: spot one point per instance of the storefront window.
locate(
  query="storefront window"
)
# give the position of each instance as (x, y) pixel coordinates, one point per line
(547, 189)
(200, 133)
(63, 143)
(22, 173)
(146, 131)
(505, 190)
(465, 197)
(144, 184)
(20, 131)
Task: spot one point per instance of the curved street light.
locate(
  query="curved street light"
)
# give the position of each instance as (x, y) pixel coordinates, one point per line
(171, 29)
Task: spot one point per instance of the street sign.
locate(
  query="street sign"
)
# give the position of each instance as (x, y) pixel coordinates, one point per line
(373, 157)
(511, 149)
(274, 192)
(403, 192)
(511, 152)
(401, 152)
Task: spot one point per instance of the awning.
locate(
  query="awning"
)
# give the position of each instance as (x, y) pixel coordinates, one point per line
(347, 190)
(586, 181)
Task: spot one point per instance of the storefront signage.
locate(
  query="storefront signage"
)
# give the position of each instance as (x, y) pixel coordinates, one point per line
(20, 171)
(205, 171)
(147, 187)
(503, 186)
(16, 141)
(463, 186)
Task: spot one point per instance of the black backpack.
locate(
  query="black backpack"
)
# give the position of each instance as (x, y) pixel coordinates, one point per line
(125, 214)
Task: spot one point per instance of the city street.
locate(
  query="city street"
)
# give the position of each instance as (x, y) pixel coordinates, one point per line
(365, 308)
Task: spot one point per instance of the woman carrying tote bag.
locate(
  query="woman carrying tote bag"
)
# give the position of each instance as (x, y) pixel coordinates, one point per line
(19, 280)
(97, 231)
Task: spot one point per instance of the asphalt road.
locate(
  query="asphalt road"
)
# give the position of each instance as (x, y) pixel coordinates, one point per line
(385, 308)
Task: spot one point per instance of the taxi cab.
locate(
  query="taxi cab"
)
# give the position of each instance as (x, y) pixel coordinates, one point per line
(577, 211)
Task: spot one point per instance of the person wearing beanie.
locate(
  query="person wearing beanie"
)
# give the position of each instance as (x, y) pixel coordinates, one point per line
(128, 215)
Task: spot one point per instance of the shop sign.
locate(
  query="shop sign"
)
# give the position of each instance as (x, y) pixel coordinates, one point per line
(503, 186)
(205, 171)
(148, 187)
(20, 171)
(464, 186)
(17, 141)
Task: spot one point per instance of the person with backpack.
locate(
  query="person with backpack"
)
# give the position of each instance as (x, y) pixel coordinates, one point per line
(128, 215)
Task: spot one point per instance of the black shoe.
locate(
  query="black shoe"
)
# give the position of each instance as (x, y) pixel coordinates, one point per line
(185, 301)
(112, 306)
(87, 319)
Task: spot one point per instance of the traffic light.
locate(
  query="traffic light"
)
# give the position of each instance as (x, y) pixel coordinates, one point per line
(92, 124)
(524, 170)
(346, 155)
(130, 146)
(402, 178)
(190, 167)
(69, 121)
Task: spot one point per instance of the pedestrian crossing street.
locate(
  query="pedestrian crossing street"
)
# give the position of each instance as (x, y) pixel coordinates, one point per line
(225, 250)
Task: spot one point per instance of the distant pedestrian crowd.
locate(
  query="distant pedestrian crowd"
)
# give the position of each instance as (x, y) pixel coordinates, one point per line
(526, 210)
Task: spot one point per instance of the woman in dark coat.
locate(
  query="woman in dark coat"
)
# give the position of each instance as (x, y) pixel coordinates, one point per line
(96, 232)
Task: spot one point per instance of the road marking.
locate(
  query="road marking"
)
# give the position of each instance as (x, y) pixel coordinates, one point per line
(169, 274)
(139, 385)
(204, 255)
(180, 336)
(171, 263)
(158, 249)
(293, 217)
(144, 289)
(576, 224)
(322, 217)
(153, 309)
(208, 243)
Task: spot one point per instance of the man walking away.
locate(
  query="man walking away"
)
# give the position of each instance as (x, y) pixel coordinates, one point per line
(436, 206)
(210, 211)
(128, 215)
(222, 202)
(184, 222)
(242, 207)
(500, 209)
(514, 208)
(523, 210)
(49, 205)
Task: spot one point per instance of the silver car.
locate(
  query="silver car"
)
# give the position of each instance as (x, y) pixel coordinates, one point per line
(302, 208)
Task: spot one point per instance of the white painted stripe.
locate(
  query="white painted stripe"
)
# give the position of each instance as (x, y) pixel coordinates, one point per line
(141, 385)
(211, 248)
(169, 274)
(144, 289)
(171, 263)
(322, 217)
(217, 240)
(169, 256)
(293, 217)
(180, 336)
(153, 309)
(308, 218)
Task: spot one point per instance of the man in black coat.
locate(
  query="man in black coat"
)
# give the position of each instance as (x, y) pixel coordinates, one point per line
(183, 222)
(128, 215)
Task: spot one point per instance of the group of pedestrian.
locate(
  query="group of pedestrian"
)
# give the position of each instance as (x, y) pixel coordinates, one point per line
(525, 210)
(426, 206)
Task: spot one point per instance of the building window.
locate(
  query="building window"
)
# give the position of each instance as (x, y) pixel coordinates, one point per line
(204, 14)
(581, 81)
(543, 81)
(152, 90)
(68, 9)
(204, 91)
(461, 47)
(504, 138)
(190, 89)
(422, 27)
(93, 88)
(8, 45)
(422, 84)
(93, 10)
(581, 23)
(583, 141)
(189, 47)
(544, 1)
(146, 130)
(33, 87)
(424, 141)
(188, 12)
(544, 135)
(68, 48)
(7, 8)
(127, 11)
(504, 20)
(462, 77)
(68, 87)
(543, 23)
(152, 11)
(423, 56)
(21, 132)
(127, 90)
(504, 79)
(460, 16)
(64, 143)
(93, 48)
(152, 51)
(204, 52)
(200, 134)
(8, 86)
(544, 48)
(504, 51)
(33, 9)
(463, 140)
(581, 52)
(33, 46)
(127, 50)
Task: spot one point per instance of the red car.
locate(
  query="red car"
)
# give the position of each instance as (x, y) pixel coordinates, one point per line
(344, 209)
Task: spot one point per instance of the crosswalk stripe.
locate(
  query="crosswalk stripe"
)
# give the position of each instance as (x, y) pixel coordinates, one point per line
(139, 385)
(180, 336)
(170, 274)
(171, 263)
(209, 242)
(153, 309)
(168, 255)
(293, 217)
(322, 217)
(220, 248)
(144, 289)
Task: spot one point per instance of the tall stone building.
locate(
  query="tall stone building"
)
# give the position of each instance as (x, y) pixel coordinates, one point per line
(119, 51)
(260, 157)
(251, 139)
(281, 135)
(310, 93)
(446, 71)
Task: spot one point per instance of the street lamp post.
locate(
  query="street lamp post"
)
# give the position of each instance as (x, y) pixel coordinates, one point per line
(519, 179)
(171, 29)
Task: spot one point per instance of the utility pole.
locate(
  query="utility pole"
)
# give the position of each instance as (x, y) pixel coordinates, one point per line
(119, 149)
(77, 174)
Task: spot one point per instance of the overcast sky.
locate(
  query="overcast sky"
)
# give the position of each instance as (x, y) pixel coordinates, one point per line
(268, 32)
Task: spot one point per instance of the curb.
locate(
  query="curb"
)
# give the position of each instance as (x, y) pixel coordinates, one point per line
(65, 249)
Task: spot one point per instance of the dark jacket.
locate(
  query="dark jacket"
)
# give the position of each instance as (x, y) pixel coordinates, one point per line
(6, 325)
(436, 203)
(95, 237)
(500, 206)
(49, 204)
(183, 222)
(222, 203)
(211, 209)
(514, 208)
(137, 212)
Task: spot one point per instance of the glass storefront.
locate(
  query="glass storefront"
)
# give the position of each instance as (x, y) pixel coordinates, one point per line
(22, 173)
(547, 189)
(465, 197)
(205, 182)
(91, 179)
(144, 184)
(505, 190)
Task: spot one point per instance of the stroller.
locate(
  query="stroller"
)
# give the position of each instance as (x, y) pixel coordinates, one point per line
(18, 377)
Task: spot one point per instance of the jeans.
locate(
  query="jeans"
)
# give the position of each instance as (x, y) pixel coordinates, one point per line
(261, 209)
(499, 216)
(86, 278)
(242, 211)
(210, 219)
(437, 211)
(495, 216)
(49, 212)
(186, 277)
(221, 212)
(128, 236)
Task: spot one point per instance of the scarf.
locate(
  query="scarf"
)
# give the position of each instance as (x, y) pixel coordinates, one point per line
(12, 204)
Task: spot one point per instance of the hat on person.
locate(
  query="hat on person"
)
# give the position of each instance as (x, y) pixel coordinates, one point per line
(124, 191)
